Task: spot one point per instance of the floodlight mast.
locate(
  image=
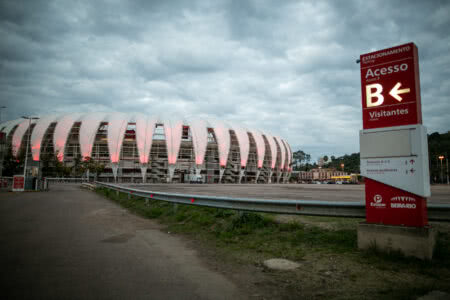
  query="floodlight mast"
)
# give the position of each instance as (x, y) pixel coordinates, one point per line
(28, 145)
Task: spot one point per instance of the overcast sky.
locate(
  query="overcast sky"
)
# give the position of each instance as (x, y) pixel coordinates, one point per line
(285, 67)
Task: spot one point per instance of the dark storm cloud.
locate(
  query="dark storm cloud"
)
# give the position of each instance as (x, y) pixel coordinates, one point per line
(287, 67)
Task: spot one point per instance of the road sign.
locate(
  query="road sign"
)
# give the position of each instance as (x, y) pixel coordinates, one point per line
(393, 143)
(18, 183)
(391, 87)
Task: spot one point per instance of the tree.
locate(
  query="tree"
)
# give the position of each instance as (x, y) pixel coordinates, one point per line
(78, 168)
(12, 165)
(51, 166)
(351, 163)
(438, 145)
(308, 158)
(93, 166)
(325, 158)
(299, 156)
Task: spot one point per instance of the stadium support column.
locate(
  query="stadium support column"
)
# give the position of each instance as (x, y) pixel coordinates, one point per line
(115, 168)
(257, 175)
(279, 176)
(171, 172)
(241, 174)
(270, 176)
(286, 177)
(143, 172)
(198, 170)
(221, 171)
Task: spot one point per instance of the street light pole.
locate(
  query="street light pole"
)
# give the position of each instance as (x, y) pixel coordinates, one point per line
(2, 151)
(441, 157)
(28, 145)
(446, 160)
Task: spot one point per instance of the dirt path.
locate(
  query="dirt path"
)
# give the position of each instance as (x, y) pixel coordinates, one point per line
(70, 243)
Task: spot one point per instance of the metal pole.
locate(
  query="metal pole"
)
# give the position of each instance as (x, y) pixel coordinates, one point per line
(26, 150)
(447, 166)
(2, 147)
(437, 167)
(28, 145)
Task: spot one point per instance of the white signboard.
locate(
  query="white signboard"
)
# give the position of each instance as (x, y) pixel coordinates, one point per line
(405, 173)
(408, 172)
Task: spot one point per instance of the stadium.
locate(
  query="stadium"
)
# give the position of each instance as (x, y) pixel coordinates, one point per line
(142, 148)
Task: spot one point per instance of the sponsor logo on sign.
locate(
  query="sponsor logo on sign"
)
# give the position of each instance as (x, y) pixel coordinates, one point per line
(403, 202)
(378, 202)
(403, 199)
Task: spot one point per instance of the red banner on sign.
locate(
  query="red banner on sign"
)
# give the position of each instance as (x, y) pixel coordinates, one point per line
(391, 206)
(391, 87)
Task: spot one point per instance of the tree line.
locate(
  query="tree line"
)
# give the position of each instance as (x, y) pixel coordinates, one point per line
(347, 163)
(50, 166)
(438, 146)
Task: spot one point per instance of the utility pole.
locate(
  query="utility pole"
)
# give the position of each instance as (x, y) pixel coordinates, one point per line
(441, 157)
(2, 145)
(446, 160)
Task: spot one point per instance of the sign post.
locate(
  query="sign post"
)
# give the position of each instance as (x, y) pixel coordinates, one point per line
(18, 183)
(394, 153)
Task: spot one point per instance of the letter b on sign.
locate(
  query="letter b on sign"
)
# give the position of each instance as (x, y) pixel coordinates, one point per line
(374, 91)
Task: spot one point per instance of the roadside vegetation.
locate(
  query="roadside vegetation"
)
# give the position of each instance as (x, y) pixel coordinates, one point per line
(326, 248)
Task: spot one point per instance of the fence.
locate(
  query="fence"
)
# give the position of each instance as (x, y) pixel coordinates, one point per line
(436, 212)
(6, 183)
(47, 181)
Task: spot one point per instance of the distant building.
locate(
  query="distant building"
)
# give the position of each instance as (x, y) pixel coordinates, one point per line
(321, 162)
(320, 174)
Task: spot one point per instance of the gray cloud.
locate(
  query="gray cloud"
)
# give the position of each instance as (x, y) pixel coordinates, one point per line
(287, 67)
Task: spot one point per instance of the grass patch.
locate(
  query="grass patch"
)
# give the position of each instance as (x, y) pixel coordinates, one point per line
(244, 230)
(251, 237)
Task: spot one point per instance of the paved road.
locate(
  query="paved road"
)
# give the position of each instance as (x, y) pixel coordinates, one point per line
(324, 192)
(72, 244)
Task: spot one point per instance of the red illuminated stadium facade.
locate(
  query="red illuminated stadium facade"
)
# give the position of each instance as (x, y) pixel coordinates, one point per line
(138, 147)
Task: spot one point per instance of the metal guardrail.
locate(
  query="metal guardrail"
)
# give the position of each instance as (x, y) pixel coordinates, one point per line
(47, 180)
(436, 212)
(66, 180)
(88, 186)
